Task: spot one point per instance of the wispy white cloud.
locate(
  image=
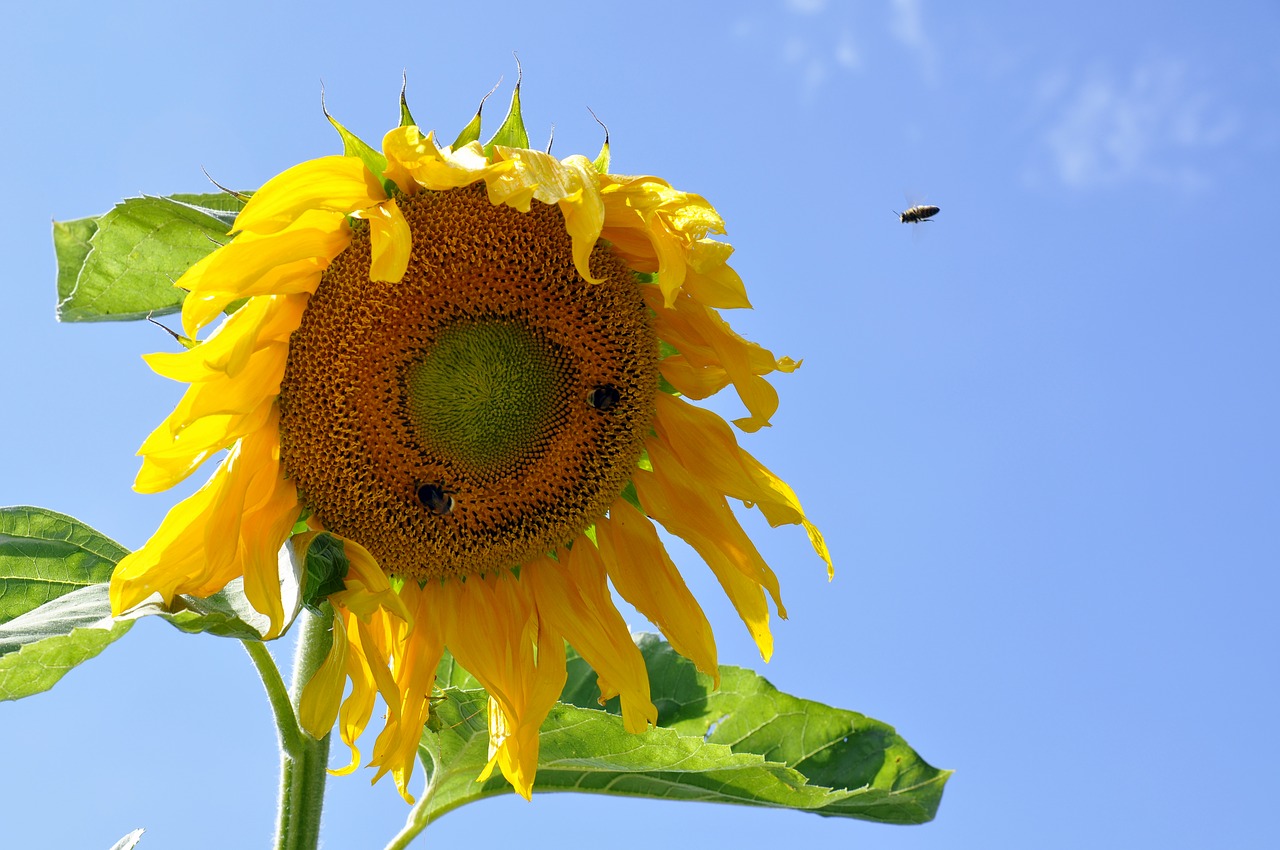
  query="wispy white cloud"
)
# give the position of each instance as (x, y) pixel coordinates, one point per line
(1153, 126)
(906, 24)
(808, 59)
(819, 40)
(847, 55)
(806, 7)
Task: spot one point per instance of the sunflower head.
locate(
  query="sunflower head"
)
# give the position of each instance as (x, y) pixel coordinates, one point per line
(472, 366)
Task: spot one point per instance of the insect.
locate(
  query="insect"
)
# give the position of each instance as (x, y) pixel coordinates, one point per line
(604, 397)
(917, 214)
(436, 499)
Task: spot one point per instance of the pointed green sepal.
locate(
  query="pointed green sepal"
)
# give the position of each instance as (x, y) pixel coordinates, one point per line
(353, 145)
(406, 117)
(471, 132)
(601, 162)
(512, 133)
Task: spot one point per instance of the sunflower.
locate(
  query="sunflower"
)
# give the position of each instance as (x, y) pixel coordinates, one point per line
(471, 366)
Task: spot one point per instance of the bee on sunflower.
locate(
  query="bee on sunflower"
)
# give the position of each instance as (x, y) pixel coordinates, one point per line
(474, 366)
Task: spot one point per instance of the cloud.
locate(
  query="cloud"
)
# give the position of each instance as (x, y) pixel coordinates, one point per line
(1153, 126)
(906, 24)
(806, 7)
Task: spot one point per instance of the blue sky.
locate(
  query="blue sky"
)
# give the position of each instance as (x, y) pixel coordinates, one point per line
(1039, 432)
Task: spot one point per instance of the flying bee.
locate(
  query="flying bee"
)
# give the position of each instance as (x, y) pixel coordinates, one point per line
(437, 500)
(918, 214)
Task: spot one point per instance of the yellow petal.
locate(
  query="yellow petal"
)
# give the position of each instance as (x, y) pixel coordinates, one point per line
(391, 242)
(419, 647)
(573, 597)
(339, 184)
(237, 267)
(173, 561)
(706, 447)
(571, 184)
(492, 628)
(357, 708)
(710, 280)
(643, 573)
(703, 519)
(414, 161)
(322, 694)
(299, 277)
(704, 338)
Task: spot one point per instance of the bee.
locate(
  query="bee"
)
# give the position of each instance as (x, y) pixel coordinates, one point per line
(917, 214)
(604, 397)
(437, 500)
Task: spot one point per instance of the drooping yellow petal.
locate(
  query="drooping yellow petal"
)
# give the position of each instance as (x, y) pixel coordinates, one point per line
(337, 184)
(707, 448)
(573, 597)
(704, 338)
(169, 458)
(696, 382)
(710, 280)
(419, 647)
(202, 306)
(263, 531)
(173, 560)
(492, 628)
(414, 161)
(237, 268)
(703, 519)
(322, 694)
(357, 708)
(672, 220)
(570, 183)
(390, 241)
(699, 510)
(644, 574)
(261, 321)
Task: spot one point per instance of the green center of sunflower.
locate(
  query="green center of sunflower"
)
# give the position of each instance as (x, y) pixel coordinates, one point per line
(486, 408)
(484, 393)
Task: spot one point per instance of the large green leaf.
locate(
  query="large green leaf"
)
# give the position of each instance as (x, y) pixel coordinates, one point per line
(44, 555)
(40, 647)
(122, 265)
(745, 743)
(55, 611)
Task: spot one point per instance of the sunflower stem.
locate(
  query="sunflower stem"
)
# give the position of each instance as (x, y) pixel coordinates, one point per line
(418, 816)
(277, 694)
(304, 770)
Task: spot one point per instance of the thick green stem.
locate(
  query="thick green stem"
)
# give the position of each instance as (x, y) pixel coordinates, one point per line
(304, 769)
(418, 818)
(277, 693)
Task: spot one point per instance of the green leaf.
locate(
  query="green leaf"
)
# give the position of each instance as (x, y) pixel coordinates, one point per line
(41, 646)
(512, 133)
(44, 555)
(326, 568)
(745, 743)
(71, 247)
(54, 611)
(135, 253)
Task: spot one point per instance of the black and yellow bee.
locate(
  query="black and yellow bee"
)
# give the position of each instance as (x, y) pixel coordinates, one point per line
(917, 214)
